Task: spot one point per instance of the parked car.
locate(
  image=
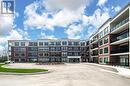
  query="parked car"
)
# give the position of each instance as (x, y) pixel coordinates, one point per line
(8, 62)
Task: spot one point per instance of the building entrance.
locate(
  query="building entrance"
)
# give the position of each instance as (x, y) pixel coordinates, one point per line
(74, 60)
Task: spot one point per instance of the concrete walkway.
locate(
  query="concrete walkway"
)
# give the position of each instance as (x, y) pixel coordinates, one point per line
(81, 74)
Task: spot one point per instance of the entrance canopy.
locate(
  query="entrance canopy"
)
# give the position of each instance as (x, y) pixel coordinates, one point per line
(73, 56)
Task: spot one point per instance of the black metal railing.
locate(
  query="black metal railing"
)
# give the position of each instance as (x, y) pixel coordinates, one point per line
(125, 35)
(120, 24)
(118, 63)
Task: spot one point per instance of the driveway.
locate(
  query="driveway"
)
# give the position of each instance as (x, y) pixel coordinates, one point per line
(80, 74)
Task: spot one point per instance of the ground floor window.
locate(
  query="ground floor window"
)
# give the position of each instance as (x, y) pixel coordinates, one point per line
(124, 60)
(106, 60)
(101, 60)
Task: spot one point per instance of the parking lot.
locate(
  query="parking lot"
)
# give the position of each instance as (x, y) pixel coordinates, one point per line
(79, 74)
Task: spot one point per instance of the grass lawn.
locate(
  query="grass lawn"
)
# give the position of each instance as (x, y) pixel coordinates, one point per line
(16, 70)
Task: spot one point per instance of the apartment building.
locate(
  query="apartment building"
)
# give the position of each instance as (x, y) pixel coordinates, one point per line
(84, 51)
(94, 47)
(49, 50)
(119, 37)
(104, 43)
(110, 44)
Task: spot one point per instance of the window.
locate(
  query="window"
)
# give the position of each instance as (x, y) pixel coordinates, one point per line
(22, 49)
(32, 54)
(40, 43)
(106, 30)
(70, 48)
(101, 51)
(43, 49)
(76, 43)
(100, 43)
(95, 52)
(32, 43)
(32, 49)
(46, 54)
(106, 60)
(106, 50)
(69, 43)
(19, 49)
(35, 43)
(105, 40)
(16, 54)
(16, 43)
(52, 49)
(23, 54)
(64, 48)
(22, 43)
(46, 43)
(82, 43)
(64, 53)
(51, 43)
(58, 49)
(40, 54)
(101, 60)
(58, 43)
(101, 34)
(64, 43)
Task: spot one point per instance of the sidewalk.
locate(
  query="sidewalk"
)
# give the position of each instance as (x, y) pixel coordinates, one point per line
(123, 71)
(120, 70)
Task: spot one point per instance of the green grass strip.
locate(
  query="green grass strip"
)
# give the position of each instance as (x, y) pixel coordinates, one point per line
(16, 70)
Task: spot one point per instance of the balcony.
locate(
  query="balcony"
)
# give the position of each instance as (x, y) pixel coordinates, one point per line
(95, 45)
(118, 50)
(120, 25)
(94, 41)
(120, 39)
(122, 36)
(95, 53)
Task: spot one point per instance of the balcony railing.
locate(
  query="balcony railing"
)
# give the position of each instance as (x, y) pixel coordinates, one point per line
(93, 47)
(118, 63)
(125, 35)
(122, 36)
(120, 51)
(120, 24)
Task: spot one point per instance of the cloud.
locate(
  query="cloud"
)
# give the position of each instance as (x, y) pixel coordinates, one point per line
(66, 17)
(13, 35)
(101, 2)
(23, 33)
(97, 19)
(93, 22)
(117, 8)
(6, 23)
(35, 20)
(65, 13)
(66, 4)
(44, 36)
(74, 31)
(62, 12)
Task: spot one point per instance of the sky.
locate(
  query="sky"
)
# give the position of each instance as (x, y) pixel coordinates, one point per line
(53, 19)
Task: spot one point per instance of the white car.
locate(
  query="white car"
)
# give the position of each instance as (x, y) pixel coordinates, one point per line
(8, 62)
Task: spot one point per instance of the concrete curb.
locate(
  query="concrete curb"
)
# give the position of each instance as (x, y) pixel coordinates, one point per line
(9, 73)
